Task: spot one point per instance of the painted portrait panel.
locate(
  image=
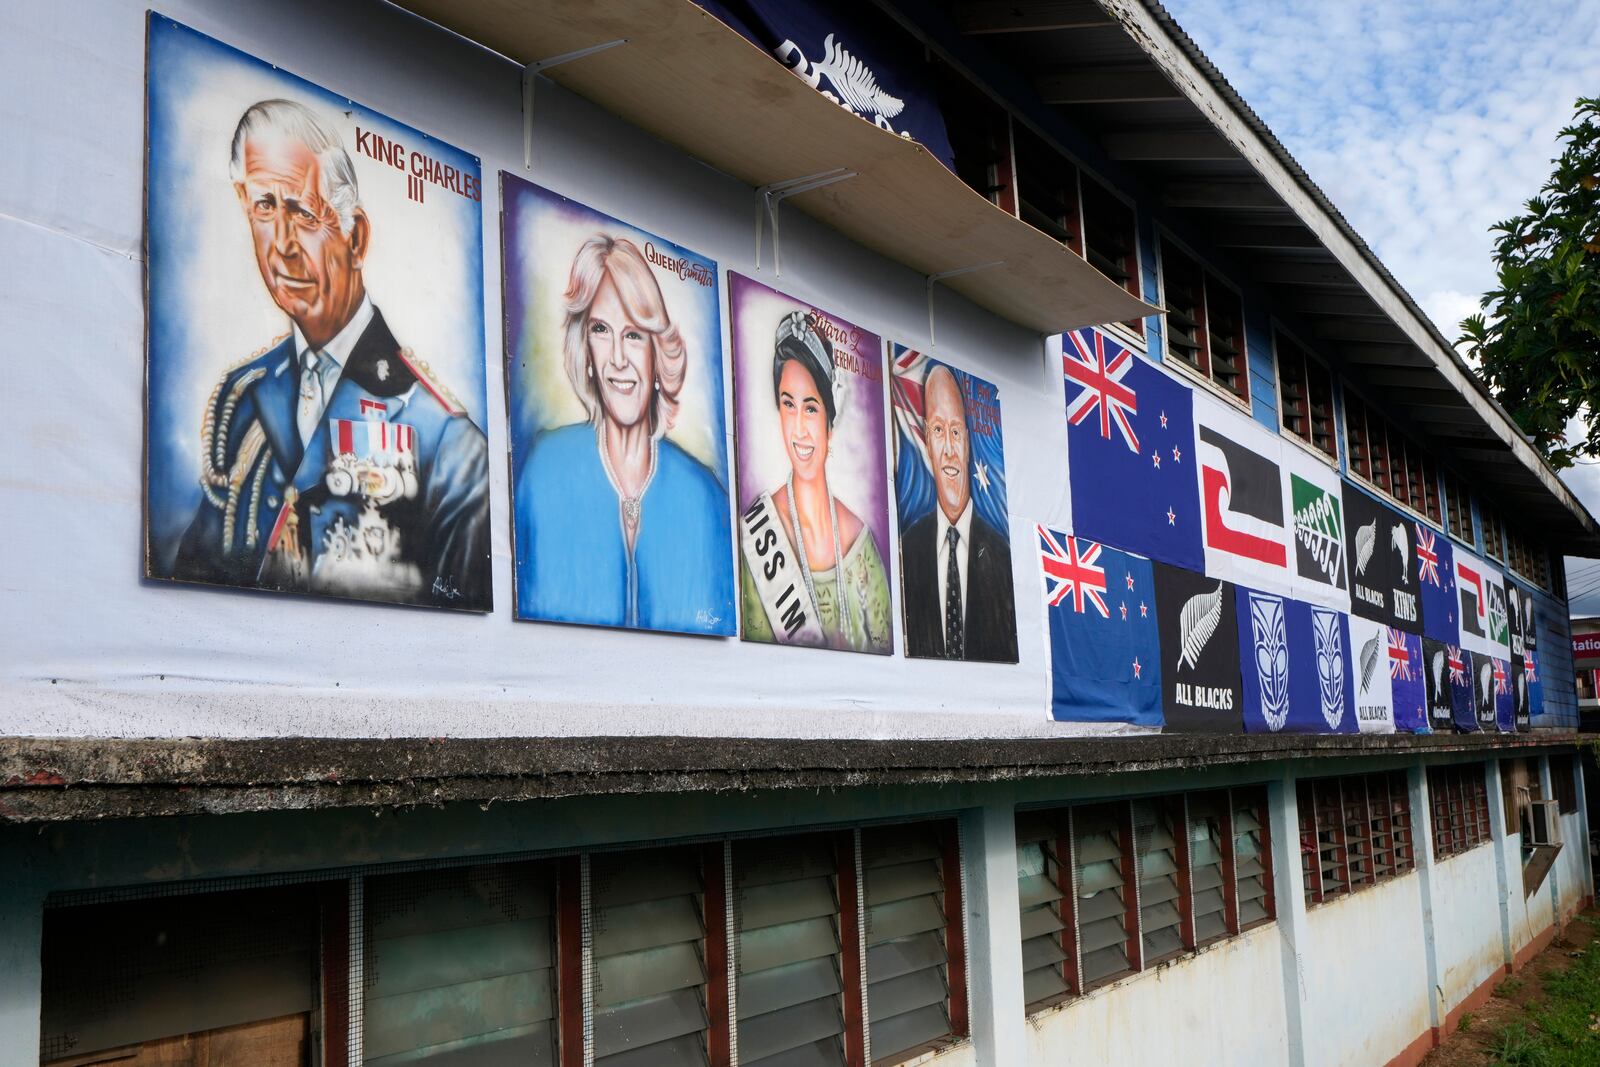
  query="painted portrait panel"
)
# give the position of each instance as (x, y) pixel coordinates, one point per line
(618, 442)
(813, 527)
(950, 504)
(315, 376)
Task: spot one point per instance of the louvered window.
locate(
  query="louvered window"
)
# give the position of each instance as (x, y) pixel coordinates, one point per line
(1044, 891)
(647, 926)
(1107, 942)
(1359, 828)
(1161, 898)
(1333, 855)
(1252, 859)
(1459, 803)
(790, 956)
(460, 966)
(1207, 847)
(1305, 396)
(1458, 508)
(1310, 844)
(908, 950)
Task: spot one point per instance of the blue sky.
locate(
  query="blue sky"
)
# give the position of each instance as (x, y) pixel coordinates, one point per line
(1425, 121)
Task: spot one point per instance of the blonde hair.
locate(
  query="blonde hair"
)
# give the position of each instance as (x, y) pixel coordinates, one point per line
(619, 259)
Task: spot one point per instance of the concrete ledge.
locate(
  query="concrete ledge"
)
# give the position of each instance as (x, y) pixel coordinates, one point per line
(1539, 943)
(56, 779)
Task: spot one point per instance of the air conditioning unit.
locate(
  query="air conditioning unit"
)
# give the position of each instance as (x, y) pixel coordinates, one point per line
(1543, 820)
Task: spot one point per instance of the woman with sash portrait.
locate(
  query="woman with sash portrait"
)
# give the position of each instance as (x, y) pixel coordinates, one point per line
(811, 572)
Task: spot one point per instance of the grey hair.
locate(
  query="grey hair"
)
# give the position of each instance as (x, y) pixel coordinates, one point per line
(298, 122)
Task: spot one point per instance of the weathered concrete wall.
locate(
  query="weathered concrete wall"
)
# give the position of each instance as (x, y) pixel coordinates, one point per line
(1366, 975)
(1222, 1005)
(1466, 924)
(1572, 871)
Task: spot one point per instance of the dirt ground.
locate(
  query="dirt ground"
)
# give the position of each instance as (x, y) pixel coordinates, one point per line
(1482, 1038)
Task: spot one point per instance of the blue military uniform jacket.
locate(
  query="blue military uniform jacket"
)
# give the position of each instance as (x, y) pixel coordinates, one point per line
(389, 500)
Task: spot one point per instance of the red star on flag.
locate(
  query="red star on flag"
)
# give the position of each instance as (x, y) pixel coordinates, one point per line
(1176, 455)
(1130, 583)
(1136, 667)
(1124, 611)
(1172, 519)
(1144, 612)
(1163, 420)
(1155, 457)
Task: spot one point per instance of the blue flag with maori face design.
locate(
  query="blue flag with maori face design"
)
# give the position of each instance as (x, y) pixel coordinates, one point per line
(1295, 660)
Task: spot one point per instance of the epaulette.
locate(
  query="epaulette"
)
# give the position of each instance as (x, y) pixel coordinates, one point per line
(448, 400)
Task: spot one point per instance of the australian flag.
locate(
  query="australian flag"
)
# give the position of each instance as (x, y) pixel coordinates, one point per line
(1130, 439)
(1436, 581)
(1105, 664)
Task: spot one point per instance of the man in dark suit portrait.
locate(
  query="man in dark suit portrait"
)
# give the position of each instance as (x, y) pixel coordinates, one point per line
(333, 460)
(957, 567)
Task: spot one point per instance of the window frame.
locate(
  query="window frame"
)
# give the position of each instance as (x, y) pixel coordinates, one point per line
(1060, 850)
(1426, 461)
(1207, 274)
(1335, 416)
(1352, 796)
(1134, 330)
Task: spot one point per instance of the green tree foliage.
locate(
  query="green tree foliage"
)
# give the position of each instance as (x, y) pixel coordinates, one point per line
(1537, 342)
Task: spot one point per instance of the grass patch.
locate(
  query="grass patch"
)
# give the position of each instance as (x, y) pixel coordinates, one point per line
(1563, 1029)
(1509, 988)
(1465, 1022)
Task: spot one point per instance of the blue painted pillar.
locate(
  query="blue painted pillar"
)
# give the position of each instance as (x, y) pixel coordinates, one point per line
(1422, 850)
(994, 934)
(1497, 831)
(1290, 897)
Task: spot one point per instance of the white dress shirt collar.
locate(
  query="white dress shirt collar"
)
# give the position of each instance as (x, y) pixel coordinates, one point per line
(338, 350)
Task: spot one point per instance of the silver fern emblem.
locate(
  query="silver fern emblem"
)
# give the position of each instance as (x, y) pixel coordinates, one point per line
(1366, 541)
(1369, 660)
(1486, 683)
(1330, 666)
(1196, 623)
(854, 83)
(1402, 544)
(1272, 658)
(1438, 671)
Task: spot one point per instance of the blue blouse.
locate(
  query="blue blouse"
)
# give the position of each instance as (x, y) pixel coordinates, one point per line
(573, 563)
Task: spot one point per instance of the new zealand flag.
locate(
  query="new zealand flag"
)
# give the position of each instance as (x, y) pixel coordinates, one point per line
(1405, 678)
(1295, 666)
(1447, 670)
(1436, 583)
(1130, 444)
(1105, 662)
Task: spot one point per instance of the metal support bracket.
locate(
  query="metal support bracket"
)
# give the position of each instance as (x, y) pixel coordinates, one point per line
(531, 71)
(769, 197)
(934, 279)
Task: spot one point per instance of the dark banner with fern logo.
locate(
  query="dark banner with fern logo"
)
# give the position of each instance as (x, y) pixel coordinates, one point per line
(1198, 622)
(1380, 546)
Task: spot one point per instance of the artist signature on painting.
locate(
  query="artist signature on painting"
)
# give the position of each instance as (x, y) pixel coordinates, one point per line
(706, 618)
(444, 587)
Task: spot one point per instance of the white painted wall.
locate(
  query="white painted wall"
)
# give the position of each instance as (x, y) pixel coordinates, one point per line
(1572, 870)
(86, 647)
(1529, 916)
(1466, 924)
(1223, 1005)
(1366, 975)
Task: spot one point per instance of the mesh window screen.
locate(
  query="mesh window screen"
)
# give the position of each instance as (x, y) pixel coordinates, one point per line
(786, 910)
(1205, 855)
(1042, 885)
(459, 967)
(907, 975)
(1250, 860)
(135, 972)
(648, 936)
(1102, 893)
(1156, 853)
